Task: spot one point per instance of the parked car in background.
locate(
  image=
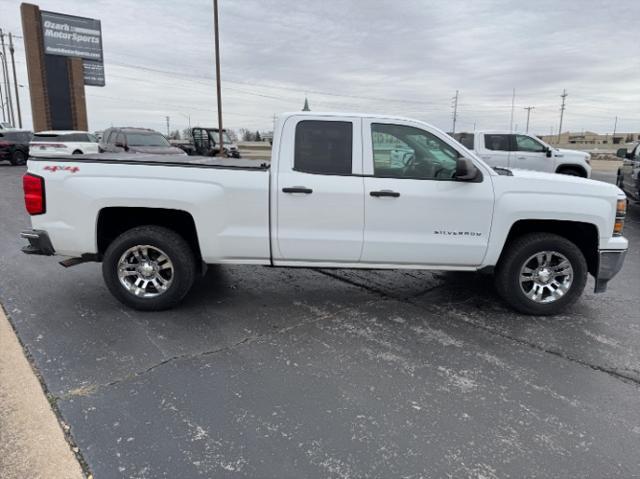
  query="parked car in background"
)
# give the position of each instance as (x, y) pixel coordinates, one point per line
(506, 149)
(14, 146)
(137, 140)
(629, 173)
(204, 142)
(62, 143)
(6, 126)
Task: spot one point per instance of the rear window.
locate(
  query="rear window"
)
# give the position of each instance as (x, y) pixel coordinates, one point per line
(466, 139)
(496, 142)
(146, 139)
(17, 136)
(70, 137)
(324, 147)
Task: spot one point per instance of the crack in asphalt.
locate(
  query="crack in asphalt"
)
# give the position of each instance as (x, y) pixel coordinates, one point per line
(91, 389)
(614, 372)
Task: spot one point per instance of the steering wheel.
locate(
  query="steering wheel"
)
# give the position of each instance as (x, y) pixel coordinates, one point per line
(408, 163)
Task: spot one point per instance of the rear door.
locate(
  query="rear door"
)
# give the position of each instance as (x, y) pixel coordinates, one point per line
(418, 214)
(530, 154)
(496, 149)
(319, 211)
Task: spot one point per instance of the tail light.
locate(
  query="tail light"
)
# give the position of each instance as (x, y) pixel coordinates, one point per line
(34, 197)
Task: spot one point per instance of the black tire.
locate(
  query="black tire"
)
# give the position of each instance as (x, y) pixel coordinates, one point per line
(18, 158)
(507, 276)
(572, 172)
(173, 245)
(77, 152)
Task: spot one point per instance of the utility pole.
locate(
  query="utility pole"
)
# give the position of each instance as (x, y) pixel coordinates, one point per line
(562, 107)
(455, 112)
(4, 117)
(529, 108)
(615, 127)
(168, 132)
(7, 88)
(15, 80)
(218, 82)
(513, 102)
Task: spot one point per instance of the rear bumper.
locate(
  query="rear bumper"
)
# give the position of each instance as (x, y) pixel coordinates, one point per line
(39, 243)
(610, 263)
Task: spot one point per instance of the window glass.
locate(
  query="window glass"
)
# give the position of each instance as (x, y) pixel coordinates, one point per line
(408, 152)
(91, 138)
(18, 136)
(111, 137)
(496, 142)
(146, 139)
(324, 147)
(526, 143)
(465, 138)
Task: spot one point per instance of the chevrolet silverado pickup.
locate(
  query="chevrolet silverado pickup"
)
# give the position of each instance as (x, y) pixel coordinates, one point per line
(331, 197)
(521, 150)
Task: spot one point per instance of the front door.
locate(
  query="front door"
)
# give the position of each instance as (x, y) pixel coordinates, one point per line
(530, 154)
(416, 212)
(320, 206)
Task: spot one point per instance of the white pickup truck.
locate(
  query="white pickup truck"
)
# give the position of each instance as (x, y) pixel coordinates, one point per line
(506, 149)
(330, 198)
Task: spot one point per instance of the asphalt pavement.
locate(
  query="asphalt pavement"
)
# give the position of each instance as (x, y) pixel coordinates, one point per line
(280, 373)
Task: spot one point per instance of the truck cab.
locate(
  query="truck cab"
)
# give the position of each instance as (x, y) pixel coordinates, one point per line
(506, 149)
(628, 178)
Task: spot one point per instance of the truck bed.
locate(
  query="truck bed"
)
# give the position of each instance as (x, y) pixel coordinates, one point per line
(163, 160)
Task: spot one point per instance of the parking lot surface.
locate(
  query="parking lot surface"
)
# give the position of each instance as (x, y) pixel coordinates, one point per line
(317, 373)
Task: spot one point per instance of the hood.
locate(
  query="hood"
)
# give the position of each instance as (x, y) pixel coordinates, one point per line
(157, 150)
(540, 182)
(563, 153)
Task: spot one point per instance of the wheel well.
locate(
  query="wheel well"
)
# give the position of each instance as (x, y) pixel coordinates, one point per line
(583, 235)
(112, 222)
(77, 152)
(576, 168)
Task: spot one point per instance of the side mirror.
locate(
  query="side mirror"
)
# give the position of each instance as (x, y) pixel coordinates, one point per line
(548, 152)
(466, 170)
(621, 153)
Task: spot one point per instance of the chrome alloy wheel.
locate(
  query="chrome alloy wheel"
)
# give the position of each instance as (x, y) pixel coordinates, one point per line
(546, 276)
(145, 271)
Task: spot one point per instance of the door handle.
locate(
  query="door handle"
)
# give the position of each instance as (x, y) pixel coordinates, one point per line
(389, 193)
(297, 189)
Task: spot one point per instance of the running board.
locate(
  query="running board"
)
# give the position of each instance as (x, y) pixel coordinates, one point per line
(85, 258)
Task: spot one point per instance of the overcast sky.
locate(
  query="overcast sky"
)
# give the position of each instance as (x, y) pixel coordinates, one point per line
(398, 57)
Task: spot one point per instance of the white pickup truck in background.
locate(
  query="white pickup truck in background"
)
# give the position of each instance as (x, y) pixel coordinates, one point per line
(506, 149)
(333, 196)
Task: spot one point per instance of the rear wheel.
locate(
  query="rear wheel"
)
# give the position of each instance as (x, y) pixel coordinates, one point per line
(541, 274)
(18, 158)
(149, 268)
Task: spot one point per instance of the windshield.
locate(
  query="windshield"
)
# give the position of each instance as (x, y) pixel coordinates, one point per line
(146, 139)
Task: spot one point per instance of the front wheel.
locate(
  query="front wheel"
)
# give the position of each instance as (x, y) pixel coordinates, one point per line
(149, 268)
(541, 274)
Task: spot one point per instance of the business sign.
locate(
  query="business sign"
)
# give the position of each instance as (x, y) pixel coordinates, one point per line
(93, 73)
(71, 36)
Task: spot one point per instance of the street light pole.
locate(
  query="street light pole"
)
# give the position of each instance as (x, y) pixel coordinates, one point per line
(218, 84)
(15, 80)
